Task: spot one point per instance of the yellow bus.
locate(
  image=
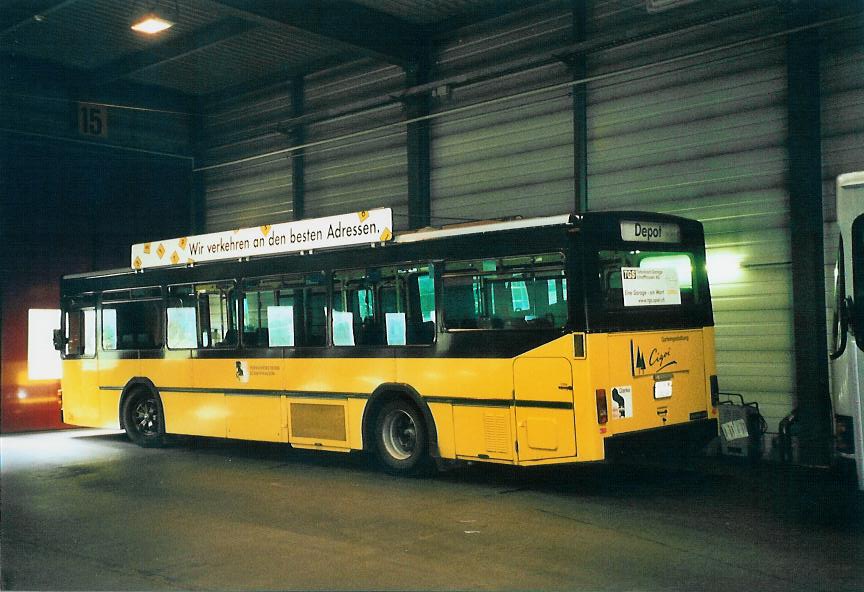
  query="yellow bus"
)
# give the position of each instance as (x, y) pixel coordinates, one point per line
(524, 342)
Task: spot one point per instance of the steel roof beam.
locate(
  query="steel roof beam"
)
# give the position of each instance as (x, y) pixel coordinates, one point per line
(479, 15)
(32, 76)
(18, 14)
(374, 33)
(174, 49)
(282, 75)
(562, 54)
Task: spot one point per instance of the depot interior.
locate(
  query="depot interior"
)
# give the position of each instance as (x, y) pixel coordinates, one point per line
(740, 114)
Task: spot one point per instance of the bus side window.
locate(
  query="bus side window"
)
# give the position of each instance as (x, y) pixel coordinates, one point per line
(263, 304)
(81, 332)
(132, 319)
(521, 292)
(460, 303)
(202, 316)
(420, 293)
(217, 315)
(285, 311)
(390, 306)
(182, 322)
(315, 316)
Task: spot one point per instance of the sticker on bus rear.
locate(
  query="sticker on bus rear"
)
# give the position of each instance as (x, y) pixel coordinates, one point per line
(650, 287)
(662, 389)
(622, 402)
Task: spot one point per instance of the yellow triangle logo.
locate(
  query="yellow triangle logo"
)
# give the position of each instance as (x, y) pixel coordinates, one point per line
(363, 215)
(183, 242)
(175, 258)
(137, 263)
(386, 235)
(265, 230)
(160, 250)
(147, 249)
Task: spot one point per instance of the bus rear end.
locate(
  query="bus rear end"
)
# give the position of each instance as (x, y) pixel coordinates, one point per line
(650, 338)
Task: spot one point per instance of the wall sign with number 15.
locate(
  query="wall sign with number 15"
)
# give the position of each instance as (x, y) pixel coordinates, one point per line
(93, 120)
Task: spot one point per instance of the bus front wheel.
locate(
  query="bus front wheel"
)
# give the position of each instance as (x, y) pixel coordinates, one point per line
(401, 438)
(142, 419)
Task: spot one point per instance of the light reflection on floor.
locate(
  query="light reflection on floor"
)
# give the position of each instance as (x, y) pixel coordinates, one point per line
(44, 449)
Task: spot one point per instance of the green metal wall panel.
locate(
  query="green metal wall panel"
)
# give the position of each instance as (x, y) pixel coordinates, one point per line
(253, 192)
(705, 138)
(367, 170)
(511, 157)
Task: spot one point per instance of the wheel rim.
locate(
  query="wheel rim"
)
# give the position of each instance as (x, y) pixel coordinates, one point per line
(145, 417)
(399, 434)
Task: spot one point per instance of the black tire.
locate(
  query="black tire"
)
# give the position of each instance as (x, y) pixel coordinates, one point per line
(143, 419)
(401, 438)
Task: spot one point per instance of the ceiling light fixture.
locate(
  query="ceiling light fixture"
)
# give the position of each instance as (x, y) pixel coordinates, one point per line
(151, 24)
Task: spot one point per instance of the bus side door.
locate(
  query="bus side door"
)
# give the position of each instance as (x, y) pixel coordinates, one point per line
(543, 397)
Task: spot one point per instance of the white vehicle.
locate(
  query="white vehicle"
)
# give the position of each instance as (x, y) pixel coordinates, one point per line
(847, 357)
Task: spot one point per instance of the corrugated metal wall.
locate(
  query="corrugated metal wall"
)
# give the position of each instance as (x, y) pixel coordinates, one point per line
(705, 138)
(365, 171)
(512, 157)
(55, 117)
(842, 124)
(253, 192)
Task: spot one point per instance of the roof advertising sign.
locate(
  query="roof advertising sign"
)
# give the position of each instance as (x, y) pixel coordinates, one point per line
(357, 228)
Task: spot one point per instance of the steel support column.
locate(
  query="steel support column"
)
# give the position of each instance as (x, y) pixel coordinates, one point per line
(579, 70)
(806, 229)
(298, 157)
(198, 197)
(418, 141)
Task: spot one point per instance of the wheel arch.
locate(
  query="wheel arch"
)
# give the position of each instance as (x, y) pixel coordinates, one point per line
(135, 384)
(393, 390)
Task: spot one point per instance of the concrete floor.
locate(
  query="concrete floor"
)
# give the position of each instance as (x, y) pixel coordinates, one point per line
(89, 510)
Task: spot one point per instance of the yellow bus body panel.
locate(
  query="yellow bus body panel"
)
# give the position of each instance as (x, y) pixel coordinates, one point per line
(194, 414)
(175, 371)
(536, 408)
(471, 378)
(664, 374)
(543, 431)
(468, 431)
(81, 400)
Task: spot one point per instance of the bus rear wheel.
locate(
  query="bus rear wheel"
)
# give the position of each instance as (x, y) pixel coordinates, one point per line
(142, 419)
(401, 438)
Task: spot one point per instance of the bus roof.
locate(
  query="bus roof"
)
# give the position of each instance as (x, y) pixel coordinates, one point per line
(411, 236)
(451, 230)
(446, 231)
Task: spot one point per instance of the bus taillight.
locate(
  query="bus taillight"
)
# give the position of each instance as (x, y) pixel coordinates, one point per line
(602, 410)
(715, 391)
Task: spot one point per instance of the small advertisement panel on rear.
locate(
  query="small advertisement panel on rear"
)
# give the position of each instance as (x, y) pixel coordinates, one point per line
(650, 287)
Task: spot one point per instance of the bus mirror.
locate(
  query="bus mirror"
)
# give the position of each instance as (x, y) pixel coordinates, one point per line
(840, 326)
(60, 340)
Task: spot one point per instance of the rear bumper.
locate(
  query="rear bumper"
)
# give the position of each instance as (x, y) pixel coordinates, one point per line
(669, 440)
